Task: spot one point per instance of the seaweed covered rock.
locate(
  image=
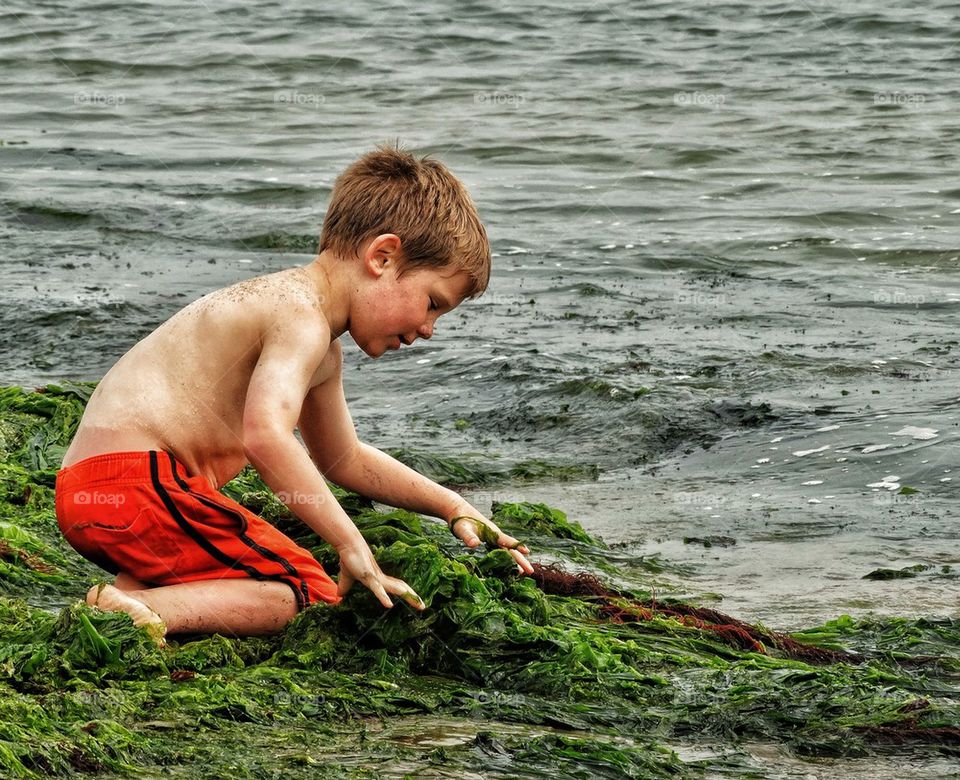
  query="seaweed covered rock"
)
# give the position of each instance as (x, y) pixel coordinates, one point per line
(560, 674)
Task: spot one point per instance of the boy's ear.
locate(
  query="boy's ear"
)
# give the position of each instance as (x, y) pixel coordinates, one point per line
(381, 253)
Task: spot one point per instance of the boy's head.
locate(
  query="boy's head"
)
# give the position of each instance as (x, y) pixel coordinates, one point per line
(420, 201)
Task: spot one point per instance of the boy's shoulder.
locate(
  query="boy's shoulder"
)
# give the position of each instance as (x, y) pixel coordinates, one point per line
(284, 312)
(279, 301)
(279, 314)
(292, 286)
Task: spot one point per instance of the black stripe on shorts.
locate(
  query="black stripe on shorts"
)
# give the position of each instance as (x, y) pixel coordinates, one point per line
(303, 595)
(202, 541)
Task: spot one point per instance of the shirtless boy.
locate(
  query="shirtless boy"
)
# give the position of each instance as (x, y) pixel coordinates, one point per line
(228, 379)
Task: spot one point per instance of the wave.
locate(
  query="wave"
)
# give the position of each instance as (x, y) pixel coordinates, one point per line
(274, 195)
(837, 217)
(297, 243)
(703, 156)
(52, 217)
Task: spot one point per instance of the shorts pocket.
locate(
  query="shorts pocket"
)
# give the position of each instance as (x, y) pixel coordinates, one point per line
(104, 506)
(136, 543)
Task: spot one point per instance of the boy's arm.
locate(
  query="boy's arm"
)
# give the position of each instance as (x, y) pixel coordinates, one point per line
(329, 433)
(277, 386)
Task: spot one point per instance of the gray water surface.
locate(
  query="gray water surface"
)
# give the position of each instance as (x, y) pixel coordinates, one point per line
(726, 249)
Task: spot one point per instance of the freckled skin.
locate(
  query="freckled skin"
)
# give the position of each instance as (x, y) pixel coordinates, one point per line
(182, 388)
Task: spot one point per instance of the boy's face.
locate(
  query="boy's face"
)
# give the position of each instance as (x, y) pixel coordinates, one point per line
(398, 307)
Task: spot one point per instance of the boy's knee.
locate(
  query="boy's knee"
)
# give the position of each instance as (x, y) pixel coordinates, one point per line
(283, 609)
(289, 611)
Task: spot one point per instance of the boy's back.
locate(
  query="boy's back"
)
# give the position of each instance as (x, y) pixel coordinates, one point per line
(182, 388)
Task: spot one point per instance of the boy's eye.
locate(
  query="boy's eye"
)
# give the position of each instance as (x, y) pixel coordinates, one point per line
(433, 304)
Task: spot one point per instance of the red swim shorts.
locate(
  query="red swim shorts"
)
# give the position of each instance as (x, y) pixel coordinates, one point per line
(140, 513)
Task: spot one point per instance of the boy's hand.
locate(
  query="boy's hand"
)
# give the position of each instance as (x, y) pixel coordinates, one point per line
(473, 529)
(357, 563)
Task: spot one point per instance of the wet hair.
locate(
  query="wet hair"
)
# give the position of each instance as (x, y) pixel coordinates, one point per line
(389, 190)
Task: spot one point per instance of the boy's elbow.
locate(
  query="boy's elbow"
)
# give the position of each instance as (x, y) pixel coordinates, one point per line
(340, 464)
(261, 443)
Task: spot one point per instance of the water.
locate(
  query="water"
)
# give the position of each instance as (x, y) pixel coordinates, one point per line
(723, 236)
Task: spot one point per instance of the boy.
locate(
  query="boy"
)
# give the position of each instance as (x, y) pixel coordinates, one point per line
(226, 381)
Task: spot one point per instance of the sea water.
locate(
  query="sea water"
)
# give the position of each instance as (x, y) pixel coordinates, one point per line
(725, 243)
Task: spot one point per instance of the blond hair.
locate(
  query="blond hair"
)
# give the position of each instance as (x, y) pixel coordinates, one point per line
(389, 190)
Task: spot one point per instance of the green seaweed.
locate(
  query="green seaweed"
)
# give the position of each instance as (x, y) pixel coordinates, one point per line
(495, 678)
(464, 471)
(538, 518)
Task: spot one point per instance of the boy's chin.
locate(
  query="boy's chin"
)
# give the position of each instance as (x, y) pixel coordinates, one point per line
(372, 349)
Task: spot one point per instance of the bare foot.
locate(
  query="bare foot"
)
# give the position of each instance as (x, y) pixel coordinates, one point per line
(111, 599)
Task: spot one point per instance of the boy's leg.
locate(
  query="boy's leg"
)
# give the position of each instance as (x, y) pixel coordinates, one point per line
(233, 607)
(173, 528)
(124, 581)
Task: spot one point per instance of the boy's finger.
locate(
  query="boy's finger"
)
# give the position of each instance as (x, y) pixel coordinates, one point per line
(344, 582)
(404, 591)
(382, 596)
(458, 520)
(525, 566)
(512, 544)
(410, 596)
(467, 535)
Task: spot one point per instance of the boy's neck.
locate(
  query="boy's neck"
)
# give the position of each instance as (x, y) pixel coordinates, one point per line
(333, 278)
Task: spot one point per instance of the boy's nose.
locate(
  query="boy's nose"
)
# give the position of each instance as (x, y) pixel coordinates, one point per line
(426, 330)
